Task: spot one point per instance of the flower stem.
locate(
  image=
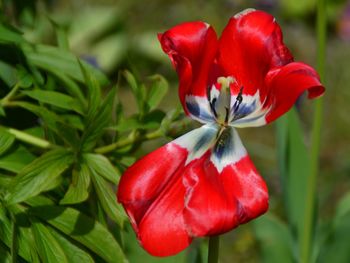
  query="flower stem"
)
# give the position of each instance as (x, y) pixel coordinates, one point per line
(25, 137)
(213, 249)
(306, 236)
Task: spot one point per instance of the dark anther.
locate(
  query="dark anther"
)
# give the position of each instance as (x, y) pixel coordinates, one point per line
(227, 114)
(239, 100)
(212, 106)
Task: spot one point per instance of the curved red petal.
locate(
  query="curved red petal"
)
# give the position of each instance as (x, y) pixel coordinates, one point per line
(191, 47)
(163, 232)
(287, 83)
(141, 183)
(217, 202)
(250, 45)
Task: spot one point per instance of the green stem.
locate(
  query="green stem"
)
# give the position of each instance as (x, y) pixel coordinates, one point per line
(131, 139)
(213, 249)
(25, 137)
(9, 95)
(306, 236)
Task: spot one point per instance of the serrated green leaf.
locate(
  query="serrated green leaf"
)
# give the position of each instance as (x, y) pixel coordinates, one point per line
(48, 248)
(102, 166)
(73, 253)
(6, 140)
(83, 229)
(274, 239)
(78, 190)
(15, 159)
(158, 90)
(40, 175)
(108, 199)
(55, 98)
(5, 255)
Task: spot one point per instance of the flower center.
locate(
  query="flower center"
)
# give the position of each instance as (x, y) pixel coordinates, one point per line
(221, 104)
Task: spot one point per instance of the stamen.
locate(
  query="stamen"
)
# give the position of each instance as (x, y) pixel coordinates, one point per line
(222, 105)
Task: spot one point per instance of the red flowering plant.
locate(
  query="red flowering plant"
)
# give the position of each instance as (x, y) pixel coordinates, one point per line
(204, 183)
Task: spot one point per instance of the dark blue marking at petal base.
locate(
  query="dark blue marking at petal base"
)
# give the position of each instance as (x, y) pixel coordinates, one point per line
(205, 139)
(243, 110)
(195, 110)
(224, 144)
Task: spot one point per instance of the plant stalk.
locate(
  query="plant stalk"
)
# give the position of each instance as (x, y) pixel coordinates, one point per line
(213, 249)
(307, 235)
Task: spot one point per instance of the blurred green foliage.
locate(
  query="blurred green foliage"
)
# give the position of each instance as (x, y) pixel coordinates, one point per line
(70, 124)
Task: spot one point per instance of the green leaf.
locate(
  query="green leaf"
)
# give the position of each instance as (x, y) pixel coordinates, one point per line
(48, 248)
(274, 239)
(54, 59)
(24, 238)
(108, 199)
(9, 34)
(55, 98)
(336, 246)
(139, 91)
(83, 229)
(40, 175)
(25, 79)
(78, 190)
(73, 253)
(102, 166)
(158, 90)
(6, 140)
(15, 159)
(94, 92)
(97, 123)
(54, 122)
(8, 74)
(294, 164)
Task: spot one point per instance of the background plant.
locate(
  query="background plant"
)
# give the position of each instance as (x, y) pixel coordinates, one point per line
(70, 124)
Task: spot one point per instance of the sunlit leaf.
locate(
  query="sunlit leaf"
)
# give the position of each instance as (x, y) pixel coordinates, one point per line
(15, 159)
(102, 166)
(40, 175)
(6, 140)
(78, 190)
(73, 252)
(108, 199)
(48, 248)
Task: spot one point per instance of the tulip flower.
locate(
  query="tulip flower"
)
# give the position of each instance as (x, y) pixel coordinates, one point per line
(204, 183)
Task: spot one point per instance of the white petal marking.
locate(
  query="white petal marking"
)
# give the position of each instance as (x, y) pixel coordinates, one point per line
(233, 152)
(198, 141)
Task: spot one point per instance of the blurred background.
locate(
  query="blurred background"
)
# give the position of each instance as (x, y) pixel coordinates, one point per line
(118, 35)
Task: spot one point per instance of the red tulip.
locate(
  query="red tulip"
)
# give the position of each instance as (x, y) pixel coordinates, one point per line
(204, 182)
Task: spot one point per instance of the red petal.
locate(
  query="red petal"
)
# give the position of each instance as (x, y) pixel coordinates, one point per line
(218, 202)
(146, 179)
(250, 45)
(162, 232)
(287, 83)
(191, 47)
